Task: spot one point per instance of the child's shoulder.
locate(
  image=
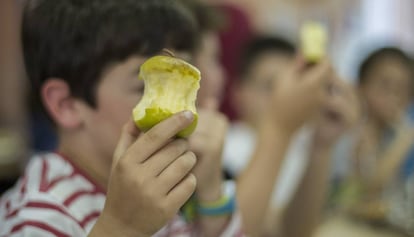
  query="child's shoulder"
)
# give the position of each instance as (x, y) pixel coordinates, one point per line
(51, 192)
(51, 174)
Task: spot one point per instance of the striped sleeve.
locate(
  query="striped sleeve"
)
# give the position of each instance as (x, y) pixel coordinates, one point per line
(40, 216)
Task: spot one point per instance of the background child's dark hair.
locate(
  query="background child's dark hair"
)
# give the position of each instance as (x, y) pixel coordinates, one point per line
(259, 45)
(76, 40)
(208, 18)
(375, 57)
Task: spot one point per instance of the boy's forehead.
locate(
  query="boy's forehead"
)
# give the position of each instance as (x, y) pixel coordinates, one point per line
(268, 67)
(130, 66)
(270, 61)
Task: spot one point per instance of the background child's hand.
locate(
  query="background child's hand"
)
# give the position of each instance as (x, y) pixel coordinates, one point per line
(150, 179)
(299, 94)
(341, 110)
(207, 143)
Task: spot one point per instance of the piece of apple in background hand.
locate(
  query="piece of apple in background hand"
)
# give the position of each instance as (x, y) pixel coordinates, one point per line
(314, 39)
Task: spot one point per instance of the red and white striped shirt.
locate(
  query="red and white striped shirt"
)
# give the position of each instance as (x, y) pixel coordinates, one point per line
(54, 198)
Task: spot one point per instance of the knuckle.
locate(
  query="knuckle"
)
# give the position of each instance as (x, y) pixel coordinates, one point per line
(121, 166)
(141, 184)
(187, 161)
(152, 136)
(150, 192)
(179, 146)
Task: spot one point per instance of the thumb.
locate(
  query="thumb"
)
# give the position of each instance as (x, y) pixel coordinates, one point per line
(128, 136)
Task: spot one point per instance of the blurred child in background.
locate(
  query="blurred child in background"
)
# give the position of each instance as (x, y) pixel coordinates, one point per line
(252, 149)
(377, 148)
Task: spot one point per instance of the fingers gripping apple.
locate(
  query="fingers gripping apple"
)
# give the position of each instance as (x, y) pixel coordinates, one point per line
(171, 86)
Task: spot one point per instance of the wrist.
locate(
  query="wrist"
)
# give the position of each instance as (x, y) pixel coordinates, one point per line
(207, 203)
(210, 193)
(271, 129)
(223, 206)
(107, 226)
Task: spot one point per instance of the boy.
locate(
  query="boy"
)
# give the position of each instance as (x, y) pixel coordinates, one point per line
(83, 60)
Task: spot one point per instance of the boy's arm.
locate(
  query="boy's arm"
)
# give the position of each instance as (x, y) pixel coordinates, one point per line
(296, 98)
(303, 214)
(305, 209)
(255, 184)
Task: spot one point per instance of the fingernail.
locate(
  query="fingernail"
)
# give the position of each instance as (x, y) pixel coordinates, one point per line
(188, 115)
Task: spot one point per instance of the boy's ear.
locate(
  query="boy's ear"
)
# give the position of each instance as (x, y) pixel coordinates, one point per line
(60, 104)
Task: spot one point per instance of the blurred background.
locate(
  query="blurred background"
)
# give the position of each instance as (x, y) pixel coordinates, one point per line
(356, 28)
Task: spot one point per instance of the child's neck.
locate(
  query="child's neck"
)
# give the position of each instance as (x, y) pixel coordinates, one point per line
(81, 153)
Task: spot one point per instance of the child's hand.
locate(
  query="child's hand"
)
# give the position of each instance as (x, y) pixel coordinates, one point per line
(299, 95)
(340, 112)
(207, 143)
(150, 179)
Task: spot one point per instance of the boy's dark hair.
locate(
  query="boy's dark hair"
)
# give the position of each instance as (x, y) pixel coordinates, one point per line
(259, 45)
(75, 40)
(375, 57)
